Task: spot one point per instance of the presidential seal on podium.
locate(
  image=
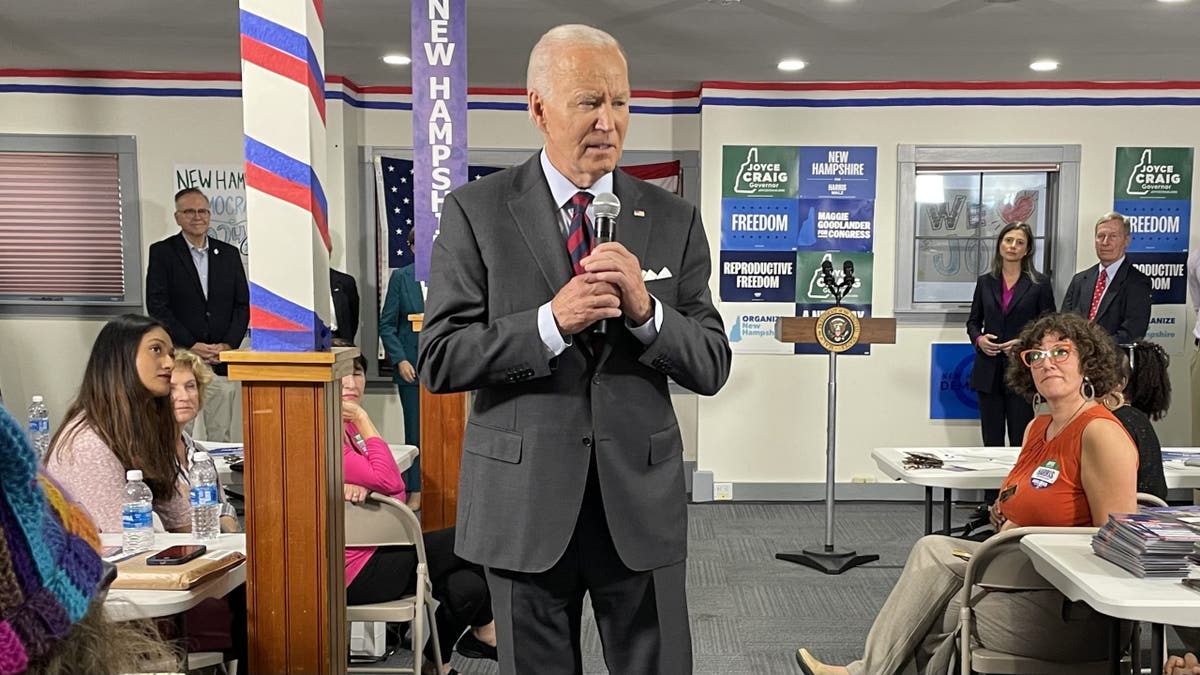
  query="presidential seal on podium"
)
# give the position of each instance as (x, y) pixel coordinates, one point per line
(838, 329)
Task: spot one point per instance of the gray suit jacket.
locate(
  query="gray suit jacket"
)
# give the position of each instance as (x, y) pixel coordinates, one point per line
(536, 421)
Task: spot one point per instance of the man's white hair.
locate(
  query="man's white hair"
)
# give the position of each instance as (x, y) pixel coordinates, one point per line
(543, 55)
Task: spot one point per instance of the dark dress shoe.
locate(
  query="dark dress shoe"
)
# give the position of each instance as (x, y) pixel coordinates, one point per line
(472, 648)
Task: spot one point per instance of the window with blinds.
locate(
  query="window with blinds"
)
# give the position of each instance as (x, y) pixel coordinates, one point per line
(65, 230)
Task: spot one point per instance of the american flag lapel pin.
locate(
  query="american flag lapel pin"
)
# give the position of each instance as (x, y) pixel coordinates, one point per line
(638, 213)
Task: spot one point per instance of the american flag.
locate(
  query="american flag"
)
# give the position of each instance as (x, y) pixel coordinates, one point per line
(395, 181)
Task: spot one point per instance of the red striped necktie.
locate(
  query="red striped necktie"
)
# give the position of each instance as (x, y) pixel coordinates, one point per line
(579, 232)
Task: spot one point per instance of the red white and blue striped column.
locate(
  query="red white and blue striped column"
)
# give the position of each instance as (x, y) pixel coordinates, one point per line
(283, 116)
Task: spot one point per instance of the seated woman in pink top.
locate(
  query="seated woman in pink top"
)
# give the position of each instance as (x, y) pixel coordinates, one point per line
(387, 573)
(122, 420)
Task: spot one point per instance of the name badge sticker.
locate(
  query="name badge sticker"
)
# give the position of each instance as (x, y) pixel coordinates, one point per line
(1045, 475)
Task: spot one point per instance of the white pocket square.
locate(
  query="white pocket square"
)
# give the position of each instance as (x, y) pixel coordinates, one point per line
(651, 275)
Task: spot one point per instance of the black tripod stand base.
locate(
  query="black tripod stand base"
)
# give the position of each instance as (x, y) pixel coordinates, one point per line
(829, 562)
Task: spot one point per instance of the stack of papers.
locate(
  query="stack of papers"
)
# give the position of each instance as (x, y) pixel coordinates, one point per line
(216, 449)
(1148, 544)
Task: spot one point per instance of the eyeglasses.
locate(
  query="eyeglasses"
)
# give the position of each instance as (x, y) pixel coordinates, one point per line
(192, 213)
(1057, 353)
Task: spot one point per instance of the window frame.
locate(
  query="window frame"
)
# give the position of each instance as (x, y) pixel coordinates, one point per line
(125, 148)
(1061, 236)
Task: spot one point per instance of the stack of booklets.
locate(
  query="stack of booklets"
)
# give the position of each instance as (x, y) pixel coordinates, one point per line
(1156, 542)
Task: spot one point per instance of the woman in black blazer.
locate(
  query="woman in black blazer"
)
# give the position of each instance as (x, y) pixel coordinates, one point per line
(1006, 298)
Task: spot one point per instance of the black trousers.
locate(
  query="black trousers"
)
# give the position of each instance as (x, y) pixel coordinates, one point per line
(641, 615)
(1000, 411)
(458, 585)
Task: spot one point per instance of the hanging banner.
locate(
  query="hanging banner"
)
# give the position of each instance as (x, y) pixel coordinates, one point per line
(784, 211)
(836, 225)
(751, 327)
(439, 118)
(225, 187)
(1153, 187)
(843, 171)
(758, 276)
(1153, 173)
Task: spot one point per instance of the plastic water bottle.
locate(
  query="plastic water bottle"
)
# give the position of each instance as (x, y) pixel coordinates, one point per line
(39, 426)
(137, 514)
(206, 503)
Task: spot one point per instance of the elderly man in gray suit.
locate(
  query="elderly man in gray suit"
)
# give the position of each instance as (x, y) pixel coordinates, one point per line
(572, 474)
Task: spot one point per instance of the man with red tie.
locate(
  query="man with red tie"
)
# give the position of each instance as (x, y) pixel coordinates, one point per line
(1112, 293)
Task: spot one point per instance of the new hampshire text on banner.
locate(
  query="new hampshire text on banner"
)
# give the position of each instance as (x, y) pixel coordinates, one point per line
(439, 78)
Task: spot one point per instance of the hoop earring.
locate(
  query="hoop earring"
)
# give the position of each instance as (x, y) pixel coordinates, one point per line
(1038, 401)
(1087, 390)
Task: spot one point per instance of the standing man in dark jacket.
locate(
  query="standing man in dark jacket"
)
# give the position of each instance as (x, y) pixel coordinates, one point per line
(1112, 293)
(572, 469)
(344, 290)
(196, 286)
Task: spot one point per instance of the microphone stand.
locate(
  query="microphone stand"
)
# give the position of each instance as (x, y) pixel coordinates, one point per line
(828, 559)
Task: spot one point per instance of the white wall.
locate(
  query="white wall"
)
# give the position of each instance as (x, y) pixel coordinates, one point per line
(47, 356)
(768, 424)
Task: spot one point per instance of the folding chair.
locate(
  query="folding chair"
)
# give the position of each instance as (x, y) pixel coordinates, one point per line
(1001, 565)
(385, 521)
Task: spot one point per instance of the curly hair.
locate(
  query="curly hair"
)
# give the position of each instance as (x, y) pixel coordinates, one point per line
(1148, 385)
(1098, 360)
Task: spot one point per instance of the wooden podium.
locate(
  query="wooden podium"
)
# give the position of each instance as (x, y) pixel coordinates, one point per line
(295, 541)
(818, 330)
(443, 421)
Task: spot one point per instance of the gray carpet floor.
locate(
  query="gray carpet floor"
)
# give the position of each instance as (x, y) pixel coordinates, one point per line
(749, 612)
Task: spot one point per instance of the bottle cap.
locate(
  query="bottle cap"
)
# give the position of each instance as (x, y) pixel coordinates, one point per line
(38, 399)
(200, 456)
(133, 474)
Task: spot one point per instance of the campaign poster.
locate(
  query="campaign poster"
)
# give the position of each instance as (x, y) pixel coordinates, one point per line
(1168, 327)
(1156, 224)
(836, 225)
(225, 187)
(810, 288)
(837, 171)
(759, 171)
(751, 326)
(1153, 173)
(758, 276)
(763, 224)
(1168, 275)
(950, 393)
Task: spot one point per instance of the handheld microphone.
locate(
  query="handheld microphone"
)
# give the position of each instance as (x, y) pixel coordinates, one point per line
(607, 208)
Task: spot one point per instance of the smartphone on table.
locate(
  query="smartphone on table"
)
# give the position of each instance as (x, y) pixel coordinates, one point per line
(177, 555)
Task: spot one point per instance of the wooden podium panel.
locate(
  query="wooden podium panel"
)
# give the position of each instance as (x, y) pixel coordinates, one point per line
(443, 420)
(804, 329)
(295, 537)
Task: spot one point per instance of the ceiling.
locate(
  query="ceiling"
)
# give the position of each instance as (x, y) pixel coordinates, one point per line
(671, 44)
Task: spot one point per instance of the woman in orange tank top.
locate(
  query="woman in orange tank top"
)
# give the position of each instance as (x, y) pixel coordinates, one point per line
(1077, 465)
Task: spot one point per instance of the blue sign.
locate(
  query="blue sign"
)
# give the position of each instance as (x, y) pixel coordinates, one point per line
(758, 276)
(837, 171)
(759, 224)
(1157, 224)
(814, 310)
(836, 225)
(1167, 272)
(950, 393)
